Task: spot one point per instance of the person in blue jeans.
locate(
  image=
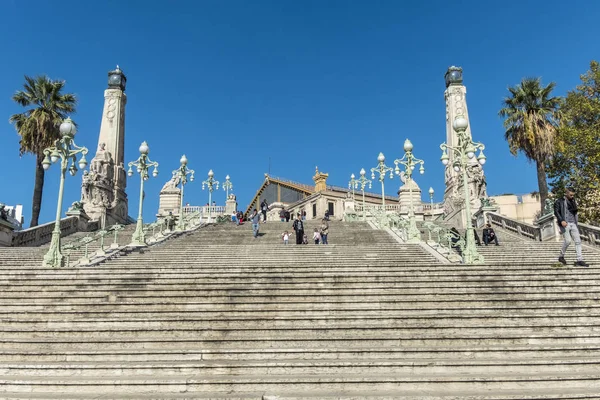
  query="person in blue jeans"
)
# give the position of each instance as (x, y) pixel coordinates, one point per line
(324, 231)
(255, 218)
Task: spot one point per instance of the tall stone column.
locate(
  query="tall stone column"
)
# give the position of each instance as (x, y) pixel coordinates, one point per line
(456, 105)
(103, 189)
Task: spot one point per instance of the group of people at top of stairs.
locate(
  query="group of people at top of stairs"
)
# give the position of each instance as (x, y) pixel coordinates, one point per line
(565, 211)
(319, 235)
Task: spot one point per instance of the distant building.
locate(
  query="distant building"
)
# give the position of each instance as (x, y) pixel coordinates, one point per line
(523, 208)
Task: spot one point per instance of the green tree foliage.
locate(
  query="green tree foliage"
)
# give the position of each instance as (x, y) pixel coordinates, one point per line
(39, 125)
(530, 119)
(577, 159)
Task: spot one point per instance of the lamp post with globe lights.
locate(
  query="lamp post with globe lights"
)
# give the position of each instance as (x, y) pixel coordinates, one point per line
(182, 172)
(211, 184)
(463, 155)
(410, 162)
(363, 181)
(227, 186)
(431, 196)
(66, 150)
(142, 164)
(382, 169)
(352, 184)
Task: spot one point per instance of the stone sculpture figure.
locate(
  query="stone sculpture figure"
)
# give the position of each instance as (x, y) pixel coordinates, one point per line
(171, 184)
(101, 165)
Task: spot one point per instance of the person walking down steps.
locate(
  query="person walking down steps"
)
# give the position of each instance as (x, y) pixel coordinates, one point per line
(565, 211)
(299, 229)
(255, 218)
(264, 207)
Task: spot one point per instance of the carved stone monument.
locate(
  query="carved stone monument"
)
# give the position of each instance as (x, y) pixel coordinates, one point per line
(456, 104)
(170, 197)
(103, 188)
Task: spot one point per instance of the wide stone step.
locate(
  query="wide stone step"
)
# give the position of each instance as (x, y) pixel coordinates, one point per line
(27, 323)
(57, 370)
(456, 352)
(230, 384)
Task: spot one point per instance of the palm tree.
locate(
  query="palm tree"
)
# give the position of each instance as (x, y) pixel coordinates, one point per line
(39, 125)
(530, 119)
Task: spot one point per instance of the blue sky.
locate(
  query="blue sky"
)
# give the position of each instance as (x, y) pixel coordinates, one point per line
(322, 83)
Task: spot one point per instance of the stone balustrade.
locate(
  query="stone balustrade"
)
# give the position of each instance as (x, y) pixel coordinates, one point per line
(42, 234)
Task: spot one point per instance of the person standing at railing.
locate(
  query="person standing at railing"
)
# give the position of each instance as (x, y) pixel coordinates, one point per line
(565, 211)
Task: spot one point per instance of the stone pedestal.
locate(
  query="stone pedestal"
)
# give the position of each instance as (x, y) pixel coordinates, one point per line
(230, 205)
(549, 228)
(6, 233)
(169, 202)
(480, 215)
(83, 219)
(410, 190)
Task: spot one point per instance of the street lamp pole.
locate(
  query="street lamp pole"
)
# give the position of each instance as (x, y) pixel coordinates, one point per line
(182, 172)
(227, 186)
(463, 153)
(409, 161)
(142, 165)
(352, 185)
(64, 149)
(211, 184)
(382, 169)
(363, 181)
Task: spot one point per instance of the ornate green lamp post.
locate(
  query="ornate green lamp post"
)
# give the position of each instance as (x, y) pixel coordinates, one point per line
(227, 186)
(182, 172)
(211, 184)
(382, 169)
(352, 185)
(431, 196)
(410, 162)
(363, 181)
(463, 154)
(142, 165)
(64, 149)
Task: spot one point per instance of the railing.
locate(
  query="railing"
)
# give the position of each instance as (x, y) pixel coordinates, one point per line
(402, 209)
(520, 228)
(308, 188)
(204, 210)
(448, 243)
(590, 234)
(42, 234)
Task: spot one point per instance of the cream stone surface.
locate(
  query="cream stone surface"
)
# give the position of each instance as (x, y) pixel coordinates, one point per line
(522, 208)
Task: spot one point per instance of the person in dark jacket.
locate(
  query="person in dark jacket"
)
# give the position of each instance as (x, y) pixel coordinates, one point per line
(299, 228)
(565, 211)
(264, 207)
(489, 235)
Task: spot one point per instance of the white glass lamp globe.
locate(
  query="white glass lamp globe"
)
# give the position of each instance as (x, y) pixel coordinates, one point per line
(68, 128)
(362, 172)
(144, 149)
(460, 124)
(183, 160)
(408, 146)
(431, 190)
(211, 173)
(381, 158)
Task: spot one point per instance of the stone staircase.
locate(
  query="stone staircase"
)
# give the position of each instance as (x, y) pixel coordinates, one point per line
(219, 314)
